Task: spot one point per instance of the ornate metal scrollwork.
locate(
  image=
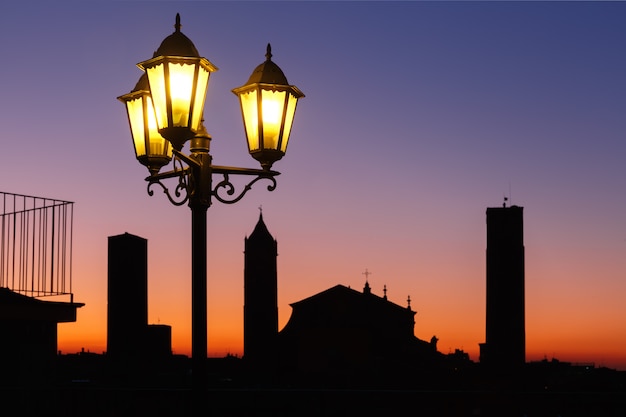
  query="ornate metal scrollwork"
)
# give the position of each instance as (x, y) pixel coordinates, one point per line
(180, 195)
(186, 168)
(229, 188)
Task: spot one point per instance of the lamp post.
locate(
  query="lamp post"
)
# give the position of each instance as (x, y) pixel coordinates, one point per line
(165, 111)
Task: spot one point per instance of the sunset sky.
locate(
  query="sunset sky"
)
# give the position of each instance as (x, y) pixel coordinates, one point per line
(417, 117)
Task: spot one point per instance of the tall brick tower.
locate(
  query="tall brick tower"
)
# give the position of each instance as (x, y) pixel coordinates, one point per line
(505, 345)
(127, 299)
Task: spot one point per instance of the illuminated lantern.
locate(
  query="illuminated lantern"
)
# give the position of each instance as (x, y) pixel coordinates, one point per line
(178, 79)
(151, 149)
(268, 105)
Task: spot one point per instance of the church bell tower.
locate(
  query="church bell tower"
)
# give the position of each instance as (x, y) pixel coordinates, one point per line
(260, 311)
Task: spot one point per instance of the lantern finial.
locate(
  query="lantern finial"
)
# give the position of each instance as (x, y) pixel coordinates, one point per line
(268, 54)
(177, 25)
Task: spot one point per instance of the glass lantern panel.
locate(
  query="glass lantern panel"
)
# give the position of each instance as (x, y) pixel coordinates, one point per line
(158, 144)
(291, 111)
(135, 117)
(200, 95)
(181, 89)
(250, 118)
(273, 103)
(156, 77)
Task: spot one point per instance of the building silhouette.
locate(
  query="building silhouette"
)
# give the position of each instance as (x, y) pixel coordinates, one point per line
(35, 264)
(127, 296)
(130, 339)
(339, 333)
(28, 330)
(504, 349)
(260, 311)
(348, 333)
(342, 352)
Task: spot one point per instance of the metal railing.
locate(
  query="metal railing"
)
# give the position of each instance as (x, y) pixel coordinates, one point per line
(36, 245)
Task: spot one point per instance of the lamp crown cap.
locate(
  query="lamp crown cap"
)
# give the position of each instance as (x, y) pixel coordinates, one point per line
(268, 72)
(142, 84)
(177, 44)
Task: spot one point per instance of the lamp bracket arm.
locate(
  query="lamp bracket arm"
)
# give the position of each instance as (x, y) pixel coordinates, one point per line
(228, 187)
(169, 174)
(181, 192)
(218, 169)
(180, 195)
(188, 160)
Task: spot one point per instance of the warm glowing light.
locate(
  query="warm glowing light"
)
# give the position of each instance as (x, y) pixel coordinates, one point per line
(157, 90)
(291, 111)
(271, 110)
(181, 89)
(178, 87)
(268, 120)
(272, 107)
(157, 145)
(151, 149)
(135, 113)
(202, 85)
(268, 105)
(251, 119)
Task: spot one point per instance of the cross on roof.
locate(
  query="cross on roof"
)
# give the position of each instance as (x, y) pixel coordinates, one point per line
(367, 274)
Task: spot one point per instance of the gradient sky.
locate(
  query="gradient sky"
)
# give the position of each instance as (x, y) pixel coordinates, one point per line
(417, 117)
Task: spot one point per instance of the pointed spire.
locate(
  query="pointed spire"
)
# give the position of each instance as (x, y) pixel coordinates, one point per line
(268, 53)
(177, 25)
(260, 230)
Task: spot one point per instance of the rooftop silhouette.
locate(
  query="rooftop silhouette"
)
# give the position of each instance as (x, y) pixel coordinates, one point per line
(342, 351)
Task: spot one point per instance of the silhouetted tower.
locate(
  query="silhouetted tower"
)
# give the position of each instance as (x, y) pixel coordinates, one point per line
(505, 346)
(127, 308)
(260, 311)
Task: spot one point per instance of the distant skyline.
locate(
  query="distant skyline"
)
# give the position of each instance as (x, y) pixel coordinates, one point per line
(417, 117)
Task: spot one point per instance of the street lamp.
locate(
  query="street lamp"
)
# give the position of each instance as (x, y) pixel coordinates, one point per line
(165, 111)
(151, 149)
(268, 105)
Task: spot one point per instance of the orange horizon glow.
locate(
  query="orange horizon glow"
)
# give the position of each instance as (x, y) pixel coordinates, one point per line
(232, 344)
(226, 337)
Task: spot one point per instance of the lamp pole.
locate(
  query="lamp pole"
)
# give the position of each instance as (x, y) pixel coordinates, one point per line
(199, 203)
(165, 112)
